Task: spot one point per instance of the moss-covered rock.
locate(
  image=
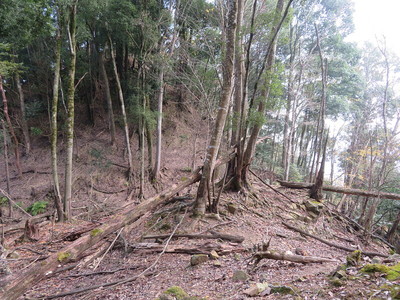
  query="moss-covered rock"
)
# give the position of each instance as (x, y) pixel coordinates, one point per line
(283, 289)
(177, 293)
(391, 272)
(354, 258)
(336, 282)
(313, 206)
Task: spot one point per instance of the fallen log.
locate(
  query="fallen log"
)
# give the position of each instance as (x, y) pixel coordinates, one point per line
(338, 189)
(348, 249)
(221, 249)
(213, 235)
(277, 255)
(23, 282)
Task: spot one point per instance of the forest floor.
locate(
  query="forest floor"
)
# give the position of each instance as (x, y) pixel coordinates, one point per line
(101, 190)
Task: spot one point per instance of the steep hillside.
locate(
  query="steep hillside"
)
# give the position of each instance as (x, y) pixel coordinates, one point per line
(151, 256)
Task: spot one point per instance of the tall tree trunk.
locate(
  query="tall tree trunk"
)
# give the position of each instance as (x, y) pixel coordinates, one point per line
(122, 102)
(10, 127)
(215, 142)
(5, 145)
(287, 137)
(381, 177)
(238, 99)
(156, 171)
(110, 111)
(24, 124)
(71, 111)
(269, 63)
(54, 126)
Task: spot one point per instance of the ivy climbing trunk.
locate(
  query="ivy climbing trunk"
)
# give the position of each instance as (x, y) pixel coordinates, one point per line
(71, 111)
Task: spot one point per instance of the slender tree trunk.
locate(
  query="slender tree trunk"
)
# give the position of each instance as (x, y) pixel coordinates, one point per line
(381, 177)
(238, 99)
(156, 171)
(108, 97)
(10, 128)
(269, 63)
(71, 112)
(122, 102)
(5, 144)
(215, 142)
(54, 126)
(24, 124)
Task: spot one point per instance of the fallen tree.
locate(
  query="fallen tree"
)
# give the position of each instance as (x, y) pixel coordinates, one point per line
(348, 249)
(213, 235)
(18, 285)
(338, 189)
(278, 255)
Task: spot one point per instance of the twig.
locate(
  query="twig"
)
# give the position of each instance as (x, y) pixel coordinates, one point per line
(215, 226)
(108, 249)
(272, 188)
(107, 192)
(119, 282)
(101, 272)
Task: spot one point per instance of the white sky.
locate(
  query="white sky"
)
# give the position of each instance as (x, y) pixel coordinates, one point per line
(374, 18)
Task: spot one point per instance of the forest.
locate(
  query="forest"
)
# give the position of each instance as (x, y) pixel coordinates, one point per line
(132, 129)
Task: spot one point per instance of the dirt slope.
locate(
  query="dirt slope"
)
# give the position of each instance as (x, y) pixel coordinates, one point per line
(100, 189)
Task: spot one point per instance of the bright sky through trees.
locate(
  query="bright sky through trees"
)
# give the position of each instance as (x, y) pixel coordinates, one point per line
(374, 19)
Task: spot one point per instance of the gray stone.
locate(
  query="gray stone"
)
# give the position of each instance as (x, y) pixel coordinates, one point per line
(256, 289)
(214, 255)
(198, 259)
(240, 275)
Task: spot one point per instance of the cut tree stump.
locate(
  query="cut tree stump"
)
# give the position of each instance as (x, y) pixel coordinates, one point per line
(21, 225)
(23, 282)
